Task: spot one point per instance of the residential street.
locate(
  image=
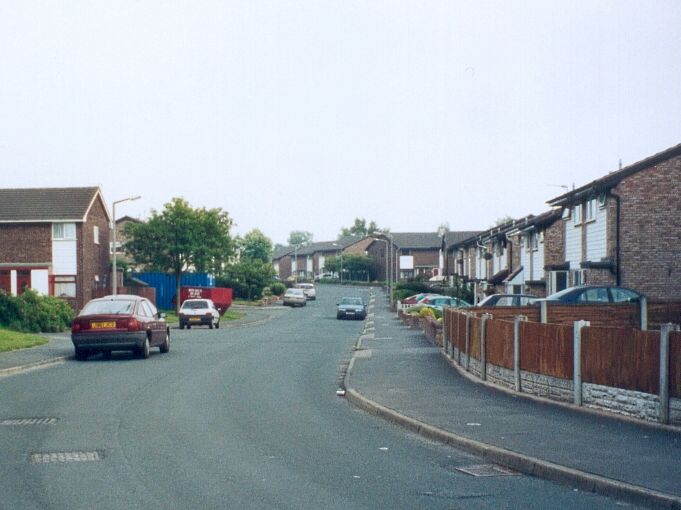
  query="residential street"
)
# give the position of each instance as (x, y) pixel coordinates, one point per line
(241, 417)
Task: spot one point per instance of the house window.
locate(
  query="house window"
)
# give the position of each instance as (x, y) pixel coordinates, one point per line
(62, 231)
(590, 209)
(65, 286)
(96, 234)
(577, 214)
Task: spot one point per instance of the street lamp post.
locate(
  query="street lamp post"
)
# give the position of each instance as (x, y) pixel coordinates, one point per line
(114, 279)
(340, 251)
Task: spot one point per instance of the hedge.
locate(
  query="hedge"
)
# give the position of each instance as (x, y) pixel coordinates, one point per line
(33, 313)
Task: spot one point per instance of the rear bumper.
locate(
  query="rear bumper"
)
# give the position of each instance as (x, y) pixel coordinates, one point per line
(123, 341)
(199, 320)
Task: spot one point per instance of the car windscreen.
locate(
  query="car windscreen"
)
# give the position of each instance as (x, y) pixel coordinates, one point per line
(193, 305)
(112, 307)
(351, 301)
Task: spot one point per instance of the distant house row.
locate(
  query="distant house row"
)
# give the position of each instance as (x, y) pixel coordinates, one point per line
(622, 229)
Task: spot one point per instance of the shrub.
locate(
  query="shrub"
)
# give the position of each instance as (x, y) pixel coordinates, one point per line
(427, 312)
(277, 288)
(34, 313)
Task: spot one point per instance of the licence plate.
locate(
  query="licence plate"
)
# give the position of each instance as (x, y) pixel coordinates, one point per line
(195, 319)
(103, 325)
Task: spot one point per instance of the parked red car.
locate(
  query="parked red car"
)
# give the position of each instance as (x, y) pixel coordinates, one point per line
(119, 323)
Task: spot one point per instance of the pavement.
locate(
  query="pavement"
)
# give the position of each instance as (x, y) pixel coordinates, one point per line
(399, 375)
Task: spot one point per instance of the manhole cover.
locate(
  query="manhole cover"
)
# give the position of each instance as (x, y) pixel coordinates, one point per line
(486, 470)
(61, 457)
(16, 422)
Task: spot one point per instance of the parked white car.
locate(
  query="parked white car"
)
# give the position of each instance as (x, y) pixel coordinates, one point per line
(295, 297)
(198, 312)
(308, 289)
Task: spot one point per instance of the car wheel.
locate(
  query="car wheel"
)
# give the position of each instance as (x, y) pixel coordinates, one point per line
(217, 324)
(144, 350)
(181, 325)
(189, 326)
(210, 324)
(81, 355)
(165, 346)
(339, 316)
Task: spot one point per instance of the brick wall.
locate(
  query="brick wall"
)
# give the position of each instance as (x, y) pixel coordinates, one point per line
(554, 244)
(26, 243)
(93, 259)
(650, 229)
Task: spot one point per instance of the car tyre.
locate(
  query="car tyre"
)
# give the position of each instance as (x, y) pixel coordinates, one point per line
(210, 324)
(217, 324)
(143, 351)
(81, 354)
(181, 325)
(165, 346)
(189, 326)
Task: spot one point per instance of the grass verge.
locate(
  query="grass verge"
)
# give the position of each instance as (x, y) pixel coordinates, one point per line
(13, 340)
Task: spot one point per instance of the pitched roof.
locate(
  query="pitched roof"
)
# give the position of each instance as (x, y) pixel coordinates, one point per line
(612, 179)
(38, 205)
(428, 240)
(312, 248)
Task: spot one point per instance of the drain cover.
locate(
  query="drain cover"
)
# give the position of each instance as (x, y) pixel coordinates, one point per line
(486, 470)
(61, 457)
(10, 422)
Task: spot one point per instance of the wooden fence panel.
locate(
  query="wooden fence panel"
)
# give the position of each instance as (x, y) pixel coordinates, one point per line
(625, 315)
(546, 349)
(661, 312)
(461, 332)
(675, 364)
(499, 343)
(476, 327)
(621, 357)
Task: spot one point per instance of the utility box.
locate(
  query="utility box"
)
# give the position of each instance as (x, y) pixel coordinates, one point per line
(221, 296)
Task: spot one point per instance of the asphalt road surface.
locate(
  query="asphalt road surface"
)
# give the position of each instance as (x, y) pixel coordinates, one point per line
(239, 417)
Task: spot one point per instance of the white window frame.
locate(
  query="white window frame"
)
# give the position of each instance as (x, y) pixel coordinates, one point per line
(95, 234)
(577, 214)
(65, 286)
(590, 214)
(64, 231)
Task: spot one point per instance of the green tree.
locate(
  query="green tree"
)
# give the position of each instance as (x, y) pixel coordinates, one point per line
(355, 265)
(248, 277)
(300, 238)
(181, 238)
(256, 246)
(361, 229)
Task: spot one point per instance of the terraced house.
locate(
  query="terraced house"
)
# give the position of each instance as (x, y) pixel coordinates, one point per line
(624, 229)
(55, 241)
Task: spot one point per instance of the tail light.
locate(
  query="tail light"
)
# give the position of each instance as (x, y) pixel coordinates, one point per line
(208, 314)
(133, 325)
(75, 327)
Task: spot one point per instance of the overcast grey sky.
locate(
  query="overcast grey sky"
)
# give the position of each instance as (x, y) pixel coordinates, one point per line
(304, 115)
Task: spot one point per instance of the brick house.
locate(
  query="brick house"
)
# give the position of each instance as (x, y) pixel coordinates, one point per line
(624, 229)
(309, 261)
(55, 241)
(536, 241)
(411, 254)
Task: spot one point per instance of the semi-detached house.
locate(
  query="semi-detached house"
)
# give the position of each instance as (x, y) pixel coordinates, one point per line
(55, 241)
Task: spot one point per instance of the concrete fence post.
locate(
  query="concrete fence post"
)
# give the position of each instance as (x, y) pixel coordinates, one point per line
(643, 304)
(483, 357)
(468, 343)
(516, 349)
(665, 329)
(543, 312)
(577, 360)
